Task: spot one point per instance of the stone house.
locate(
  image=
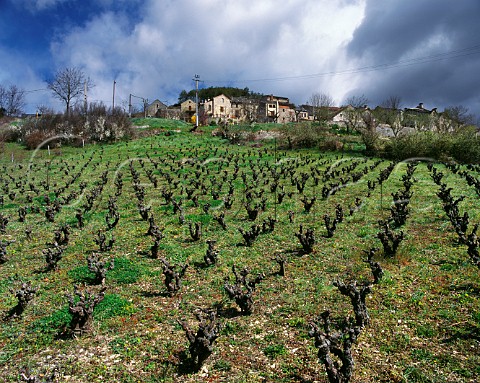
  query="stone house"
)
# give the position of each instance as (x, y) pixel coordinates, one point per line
(244, 109)
(218, 108)
(420, 118)
(187, 110)
(155, 109)
(275, 109)
(320, 113)
(303, 114)
(286, 114)
(420, 109)
(342, 117)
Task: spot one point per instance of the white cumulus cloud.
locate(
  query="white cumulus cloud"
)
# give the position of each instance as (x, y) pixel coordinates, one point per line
(226, 42)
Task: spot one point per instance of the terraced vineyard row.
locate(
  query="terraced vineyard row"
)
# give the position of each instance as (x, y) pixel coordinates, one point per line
(182, 258)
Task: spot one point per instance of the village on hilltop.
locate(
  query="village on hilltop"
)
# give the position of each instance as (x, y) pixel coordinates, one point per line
(222, 109)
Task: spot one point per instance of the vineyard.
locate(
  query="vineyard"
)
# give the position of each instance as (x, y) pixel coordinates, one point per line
(180, 257)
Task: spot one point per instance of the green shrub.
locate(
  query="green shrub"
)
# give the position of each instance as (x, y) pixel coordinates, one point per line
(466, 145)
(330, 144)
(463, 146)
(303, 135)
(98, 125)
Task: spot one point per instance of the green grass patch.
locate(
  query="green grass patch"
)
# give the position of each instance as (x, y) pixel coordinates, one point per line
(274, 350)
(230, 328)
(113, 305)
(53, 322)
(157, 123)
(125, 271)
(297, 322)
(415, 375)
(222, 365)
(425, 331)
(126, 346)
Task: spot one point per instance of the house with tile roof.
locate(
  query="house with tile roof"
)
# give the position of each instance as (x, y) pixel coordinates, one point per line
(275, 109)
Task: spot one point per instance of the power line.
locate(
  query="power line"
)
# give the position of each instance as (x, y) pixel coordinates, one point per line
(475, 49)
(36, 90)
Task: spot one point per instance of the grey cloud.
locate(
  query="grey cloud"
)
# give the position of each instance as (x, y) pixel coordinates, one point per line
(395, 31)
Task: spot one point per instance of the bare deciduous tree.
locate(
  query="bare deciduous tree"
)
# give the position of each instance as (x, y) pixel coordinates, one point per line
(392, 102)
(357, 101)
(3, 92)
(68, 84)
(353, 111)
(389, 113)
(359, 117)
(459, 116)
(321, 102)
(12, 100)
(351, 118)
(368, 130)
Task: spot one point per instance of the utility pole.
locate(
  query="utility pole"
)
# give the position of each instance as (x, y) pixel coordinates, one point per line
(144, 100)
(113, 99)
(196, 79)
(85, 97)
(130, 106)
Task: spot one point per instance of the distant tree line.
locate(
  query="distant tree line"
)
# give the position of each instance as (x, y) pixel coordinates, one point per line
(207, 93)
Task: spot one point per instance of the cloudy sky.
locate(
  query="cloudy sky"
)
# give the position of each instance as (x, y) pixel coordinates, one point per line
(419, 50)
